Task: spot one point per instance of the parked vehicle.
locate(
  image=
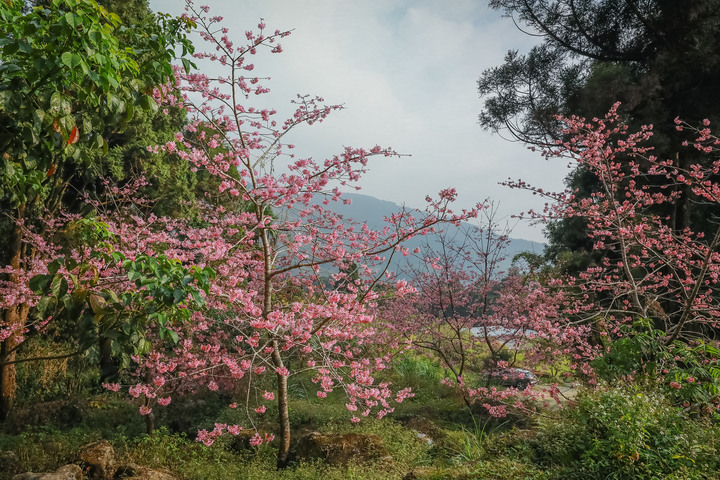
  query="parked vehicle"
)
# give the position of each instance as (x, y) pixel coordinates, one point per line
(512, 377)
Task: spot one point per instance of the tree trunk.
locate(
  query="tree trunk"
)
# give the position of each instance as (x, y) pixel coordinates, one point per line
(8, 382)
(150, 417)
(14, 318)
(150, 423)
(109, 372)
(283, 412)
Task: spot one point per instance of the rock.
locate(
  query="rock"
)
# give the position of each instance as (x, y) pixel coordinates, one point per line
(127, 471)
(136, 472)
(425, 438)
(8, 461)
(67, 472)
(341, 449)
(100, 457)
(425, 426)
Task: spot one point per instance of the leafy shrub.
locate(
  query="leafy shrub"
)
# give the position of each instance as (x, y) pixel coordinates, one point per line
(46, 380)
(688, 372)
(43, 449)
(627, 433)
(472, 443)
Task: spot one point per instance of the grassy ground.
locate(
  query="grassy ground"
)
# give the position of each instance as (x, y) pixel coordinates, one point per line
(616, 434)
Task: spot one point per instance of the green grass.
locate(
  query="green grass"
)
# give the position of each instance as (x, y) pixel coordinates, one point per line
(581, 442)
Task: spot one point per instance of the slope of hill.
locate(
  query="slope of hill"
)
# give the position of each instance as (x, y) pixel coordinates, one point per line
(370, 210)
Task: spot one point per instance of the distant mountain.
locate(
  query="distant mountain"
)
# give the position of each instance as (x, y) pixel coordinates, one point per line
(370, 210)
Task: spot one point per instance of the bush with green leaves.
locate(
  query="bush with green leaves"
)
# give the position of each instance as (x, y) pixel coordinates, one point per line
(624, 433)
(688, 372)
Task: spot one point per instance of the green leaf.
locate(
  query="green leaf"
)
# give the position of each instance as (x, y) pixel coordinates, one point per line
(96, 38)
(72, 19)
(115, 104)
(112, 334)
(25, 47)
(178, 295)
(67, 123)
(199, 299)
(10, 48)
(187, 65)
(67, 59)
(143, 346)
(148, 103)
(46, 305)
(40, 283)
(56, 100)
(59, 286)
(126, 328)
(39, 117)
(9, 169)
(55, 265)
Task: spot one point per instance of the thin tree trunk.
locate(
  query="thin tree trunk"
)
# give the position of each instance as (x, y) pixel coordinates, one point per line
(8, 382)
(150, 417)
(283, 412)
(150, 423)
(14, 318)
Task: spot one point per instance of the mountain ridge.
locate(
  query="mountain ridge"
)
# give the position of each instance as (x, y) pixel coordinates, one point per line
(371, 210)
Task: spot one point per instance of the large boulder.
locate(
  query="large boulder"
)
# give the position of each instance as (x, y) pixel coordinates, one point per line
(100, 458)
(341, 449)
(67, 472)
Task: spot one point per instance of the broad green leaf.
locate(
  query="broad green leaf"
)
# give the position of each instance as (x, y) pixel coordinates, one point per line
(59, 286)
(46, 305)
(72, 19)
(55, 265)
(178, 295)
(56, 100)
(40, 283)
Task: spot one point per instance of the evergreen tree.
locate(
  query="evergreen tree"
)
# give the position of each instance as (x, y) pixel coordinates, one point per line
(660, 58)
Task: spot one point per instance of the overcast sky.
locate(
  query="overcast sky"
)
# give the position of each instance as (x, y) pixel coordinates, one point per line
(406, 71)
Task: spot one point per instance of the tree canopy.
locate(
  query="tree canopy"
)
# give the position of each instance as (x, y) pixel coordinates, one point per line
(659, 58)
(72, 75)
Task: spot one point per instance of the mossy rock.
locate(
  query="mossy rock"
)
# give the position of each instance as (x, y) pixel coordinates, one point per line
(341, 448)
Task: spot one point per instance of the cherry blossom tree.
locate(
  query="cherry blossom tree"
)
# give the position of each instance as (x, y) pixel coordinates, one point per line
(477, 319)
(102, 281)
(651, 271)
(268, 308)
